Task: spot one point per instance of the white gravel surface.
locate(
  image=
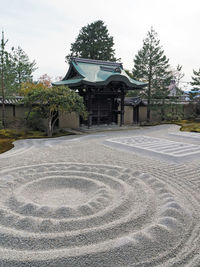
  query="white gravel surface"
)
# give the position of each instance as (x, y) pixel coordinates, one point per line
(102, 200)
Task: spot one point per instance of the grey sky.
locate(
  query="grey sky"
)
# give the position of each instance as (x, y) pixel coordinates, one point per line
(46, 28)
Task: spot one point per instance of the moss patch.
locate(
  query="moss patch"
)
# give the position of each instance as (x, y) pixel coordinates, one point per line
(8, 136)
(189, 126)
(6, 144)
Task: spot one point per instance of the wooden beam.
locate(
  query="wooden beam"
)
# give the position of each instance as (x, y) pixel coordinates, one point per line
(122, 108)
(98, 112)
(89, 107)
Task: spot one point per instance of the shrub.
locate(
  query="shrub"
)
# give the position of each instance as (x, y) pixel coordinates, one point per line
(34, 122)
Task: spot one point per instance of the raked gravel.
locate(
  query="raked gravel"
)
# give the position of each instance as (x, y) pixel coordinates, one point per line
(117, 198)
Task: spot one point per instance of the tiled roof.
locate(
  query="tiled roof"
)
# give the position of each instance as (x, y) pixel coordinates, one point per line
(133, 101)
(11, 100)
(97, 73)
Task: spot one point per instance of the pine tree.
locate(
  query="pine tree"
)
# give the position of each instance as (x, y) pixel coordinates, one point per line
(93, 42)
(15, 68)
(6, 66)
(23, 68)
(151, 66)
(195, 92)
(6, 74)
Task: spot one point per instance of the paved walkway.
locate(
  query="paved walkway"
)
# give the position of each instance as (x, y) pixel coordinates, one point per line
(114, 198)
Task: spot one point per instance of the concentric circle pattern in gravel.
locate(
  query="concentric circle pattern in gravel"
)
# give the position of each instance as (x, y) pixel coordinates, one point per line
(97, 206)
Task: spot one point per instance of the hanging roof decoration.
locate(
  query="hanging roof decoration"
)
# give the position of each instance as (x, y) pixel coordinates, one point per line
(134, 101)
(97, 73)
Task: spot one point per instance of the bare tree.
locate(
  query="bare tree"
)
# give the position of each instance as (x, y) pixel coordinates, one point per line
(2, 56)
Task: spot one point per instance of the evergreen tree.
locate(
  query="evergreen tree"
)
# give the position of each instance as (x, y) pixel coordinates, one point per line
(196, 79)
(23, 68)
(6, 74)
(195, 92)
(151, 65)
(6, 67)
(93, 42)
(15, 68)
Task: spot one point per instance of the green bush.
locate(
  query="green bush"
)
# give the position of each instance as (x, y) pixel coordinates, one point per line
(34, 122)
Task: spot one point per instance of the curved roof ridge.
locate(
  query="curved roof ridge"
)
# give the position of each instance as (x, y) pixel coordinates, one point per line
(97, 73)
(96, 61)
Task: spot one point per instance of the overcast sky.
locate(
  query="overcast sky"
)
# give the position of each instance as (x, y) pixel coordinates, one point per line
(46, 28)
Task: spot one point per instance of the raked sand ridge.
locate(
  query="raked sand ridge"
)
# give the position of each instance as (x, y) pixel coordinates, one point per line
(82, 203)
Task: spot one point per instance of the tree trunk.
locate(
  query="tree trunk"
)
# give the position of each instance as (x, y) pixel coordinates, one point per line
(148, 111)
(163, 110)
(49, 131)
(149, 99)
(53, 123)
(3, 98)
(2, 83)
(149, 91)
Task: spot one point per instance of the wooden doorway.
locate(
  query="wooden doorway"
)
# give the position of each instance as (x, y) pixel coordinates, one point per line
(104, 110)
(136, 115)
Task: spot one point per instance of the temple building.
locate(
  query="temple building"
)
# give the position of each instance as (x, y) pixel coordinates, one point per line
(103, 86)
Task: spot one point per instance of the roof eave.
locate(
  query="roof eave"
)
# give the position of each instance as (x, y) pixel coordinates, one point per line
(67, 83)
(71, 66)
(117, 78)
(125, 80)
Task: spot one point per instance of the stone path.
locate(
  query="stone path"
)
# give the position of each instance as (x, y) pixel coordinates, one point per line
(85, 201)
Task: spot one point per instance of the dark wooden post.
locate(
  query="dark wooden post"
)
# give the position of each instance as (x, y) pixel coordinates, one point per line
(98, 112)
(136, 114)
(89, 107)
(122, 108)
(14, 111)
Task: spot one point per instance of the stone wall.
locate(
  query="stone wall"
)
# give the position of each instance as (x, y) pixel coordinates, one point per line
(128, 115)
(13, 112)
(69, 120)
(188, 111)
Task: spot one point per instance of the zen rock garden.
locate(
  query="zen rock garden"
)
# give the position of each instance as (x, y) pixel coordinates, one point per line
(119, 184)
(115, 198)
